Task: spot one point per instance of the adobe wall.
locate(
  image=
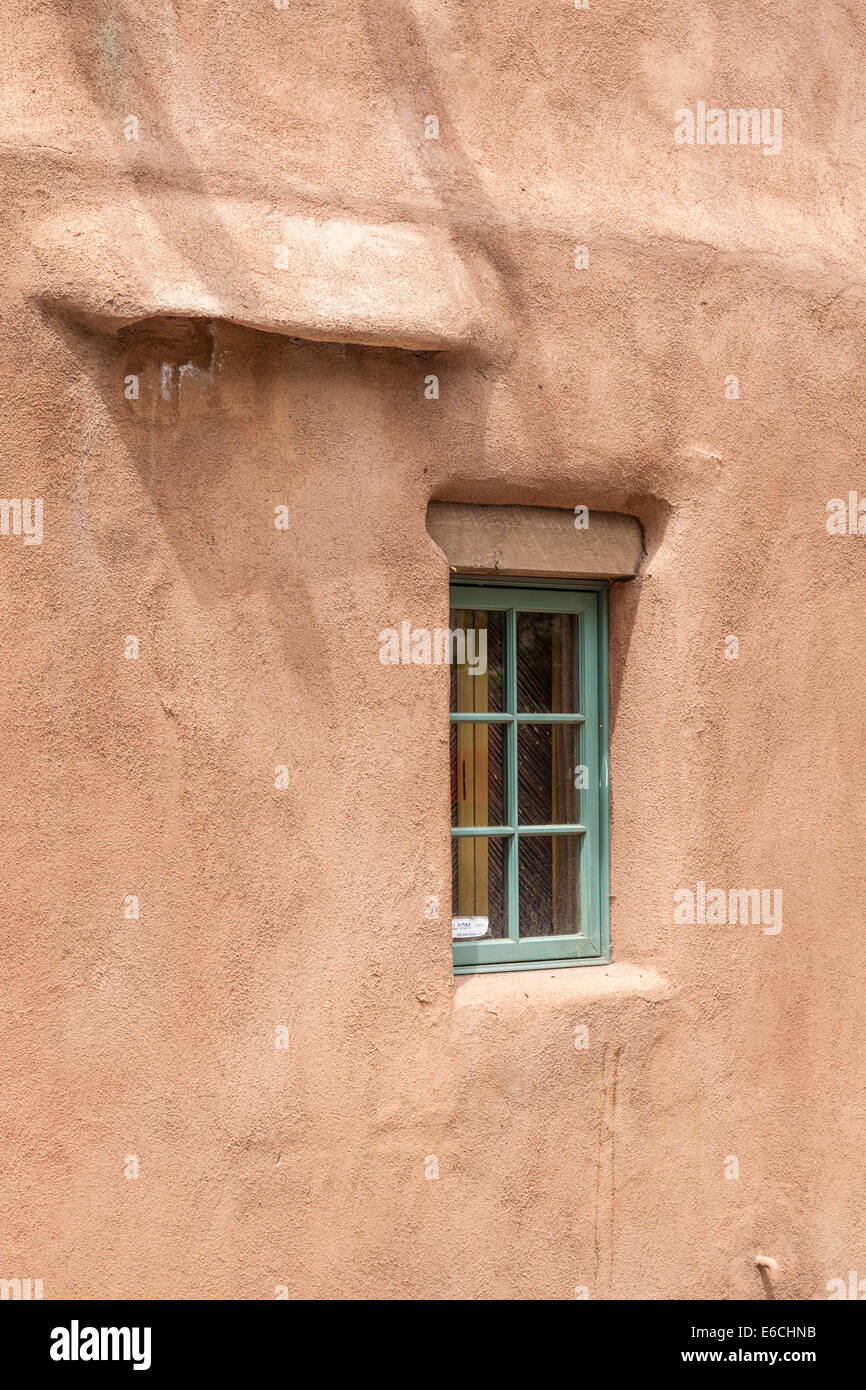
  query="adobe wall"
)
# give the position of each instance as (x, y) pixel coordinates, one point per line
(301, 384)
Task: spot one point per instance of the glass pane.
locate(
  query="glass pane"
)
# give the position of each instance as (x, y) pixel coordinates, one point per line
(474, 650)
(549, 876)
(477, 887)
(549, 774)
(477, 774)
(547, 674)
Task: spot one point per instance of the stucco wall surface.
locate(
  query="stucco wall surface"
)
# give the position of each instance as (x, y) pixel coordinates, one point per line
(281, 258)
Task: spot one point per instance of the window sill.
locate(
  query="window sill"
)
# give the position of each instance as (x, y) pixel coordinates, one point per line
(606, 983)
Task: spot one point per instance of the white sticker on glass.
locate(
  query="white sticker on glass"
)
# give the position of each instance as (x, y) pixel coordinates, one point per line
(463, 927)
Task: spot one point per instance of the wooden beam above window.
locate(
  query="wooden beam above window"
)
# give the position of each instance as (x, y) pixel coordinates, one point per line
(543, 542)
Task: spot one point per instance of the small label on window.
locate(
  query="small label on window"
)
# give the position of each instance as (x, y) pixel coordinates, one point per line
(463, 927)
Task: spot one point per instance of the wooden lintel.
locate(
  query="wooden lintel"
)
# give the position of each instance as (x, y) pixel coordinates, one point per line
(539, 542)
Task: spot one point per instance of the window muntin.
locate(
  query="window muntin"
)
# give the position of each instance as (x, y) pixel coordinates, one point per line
(529, 775)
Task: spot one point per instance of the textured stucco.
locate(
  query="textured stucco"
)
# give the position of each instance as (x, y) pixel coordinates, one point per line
(303, 386)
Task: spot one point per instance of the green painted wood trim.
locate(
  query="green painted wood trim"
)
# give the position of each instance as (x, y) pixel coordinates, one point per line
(498, 967)
(535, 717)
(591, 945)
(467, 831)
(512, 860)
(497, 597)
(550, 829)
(480, 718)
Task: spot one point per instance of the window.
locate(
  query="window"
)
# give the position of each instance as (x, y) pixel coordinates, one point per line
(529, 785)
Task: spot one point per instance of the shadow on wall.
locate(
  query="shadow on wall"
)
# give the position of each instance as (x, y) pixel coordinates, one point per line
(175, 352)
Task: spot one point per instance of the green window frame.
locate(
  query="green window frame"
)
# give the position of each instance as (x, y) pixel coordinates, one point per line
(590, 943)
